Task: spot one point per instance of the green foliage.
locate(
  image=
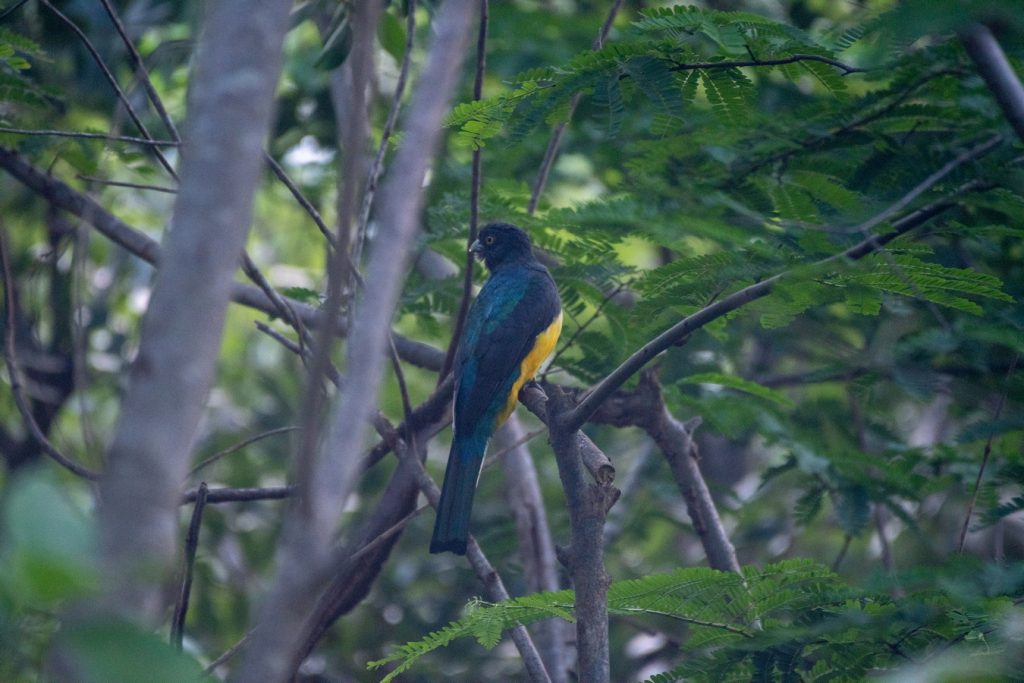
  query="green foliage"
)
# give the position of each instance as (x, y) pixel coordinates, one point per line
(790, 618)
(852, 405)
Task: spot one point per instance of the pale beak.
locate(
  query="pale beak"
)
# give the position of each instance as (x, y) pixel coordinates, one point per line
(476, 247)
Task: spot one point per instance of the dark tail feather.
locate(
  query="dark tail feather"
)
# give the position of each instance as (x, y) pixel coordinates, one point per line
(451, 526)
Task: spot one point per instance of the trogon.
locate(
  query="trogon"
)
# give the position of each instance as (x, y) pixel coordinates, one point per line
(510, 331)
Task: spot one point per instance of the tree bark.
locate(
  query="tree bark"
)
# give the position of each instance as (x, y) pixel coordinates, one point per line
(236, 70)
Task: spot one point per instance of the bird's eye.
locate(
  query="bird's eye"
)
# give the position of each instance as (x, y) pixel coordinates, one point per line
(489, 240)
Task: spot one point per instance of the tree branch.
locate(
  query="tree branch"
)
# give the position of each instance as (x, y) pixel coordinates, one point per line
(191, 545)
(239, 495)
(121, 96)
(536, 547)
(237, 64)
(999, 75)
(984, 457)
(645, 408)
(588, 506)
(88, 136)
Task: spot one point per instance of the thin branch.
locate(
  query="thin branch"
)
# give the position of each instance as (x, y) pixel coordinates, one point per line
(373, 176)
(580, 329)
(474, 200)
(248, 495)
(674, 334)
(134, 186)
(239, 446)
(847, 539)
(88, 136)
(300, 198)
(985, 456)
(12, 9)
(998, 73)
(113, 83)
(339, 277)
(191, 545)
(792, 59)
(140, 70)
(11, 360)
(556, 135)
(227, 654)
(689, 620)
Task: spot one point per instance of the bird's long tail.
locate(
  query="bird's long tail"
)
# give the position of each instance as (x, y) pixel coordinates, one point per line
(451, 526)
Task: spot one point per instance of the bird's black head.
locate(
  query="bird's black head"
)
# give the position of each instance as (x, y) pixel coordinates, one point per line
(501, 243)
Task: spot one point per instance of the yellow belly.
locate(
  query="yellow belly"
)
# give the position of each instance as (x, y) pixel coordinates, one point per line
(542, 348)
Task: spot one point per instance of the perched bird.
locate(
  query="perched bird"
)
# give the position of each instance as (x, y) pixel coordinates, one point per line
(511, 329)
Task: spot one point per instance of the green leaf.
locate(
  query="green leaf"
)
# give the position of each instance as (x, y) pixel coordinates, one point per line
(391, 34)
(739, 384)
(111, 651)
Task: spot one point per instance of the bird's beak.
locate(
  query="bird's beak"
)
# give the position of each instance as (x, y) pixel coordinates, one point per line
(476, 247)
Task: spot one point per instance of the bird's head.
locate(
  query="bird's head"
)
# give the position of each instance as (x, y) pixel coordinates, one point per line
(500, 243)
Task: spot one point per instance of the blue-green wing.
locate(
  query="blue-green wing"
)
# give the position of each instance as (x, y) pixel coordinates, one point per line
(503, 323)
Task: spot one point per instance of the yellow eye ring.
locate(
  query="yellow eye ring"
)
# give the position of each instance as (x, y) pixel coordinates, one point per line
(489, 240)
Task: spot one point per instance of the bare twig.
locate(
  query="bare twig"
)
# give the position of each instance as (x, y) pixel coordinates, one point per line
(240, 495)
(687, 326)
(645, 407)
(340, 273)
(373, 176)
(140, 71)
(11, 360)
(300, 198)
(88, 136)
(239, 446)
(556, 135)
(134, 186)
(984, 457)
(113, 83)
(191, 545)
(227, 654)
(474, 201)
(847, 539)
(999, 75)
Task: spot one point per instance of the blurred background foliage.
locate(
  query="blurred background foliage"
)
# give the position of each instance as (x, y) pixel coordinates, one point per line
(845, 417)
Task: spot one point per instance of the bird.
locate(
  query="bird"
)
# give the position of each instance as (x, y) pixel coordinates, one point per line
(511, 329)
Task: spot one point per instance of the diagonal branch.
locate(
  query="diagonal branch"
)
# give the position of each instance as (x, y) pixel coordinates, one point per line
(792, 59)
(998, 73)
